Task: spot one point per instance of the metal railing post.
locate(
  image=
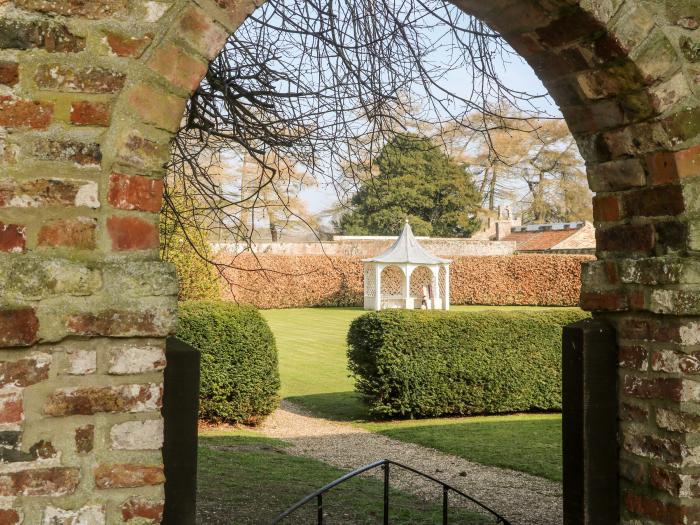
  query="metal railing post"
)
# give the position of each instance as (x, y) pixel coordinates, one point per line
(319, 509)
(386, 494)
(445, 505)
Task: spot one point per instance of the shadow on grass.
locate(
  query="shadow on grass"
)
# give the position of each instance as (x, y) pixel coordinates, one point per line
(337, 406)
(528, 443)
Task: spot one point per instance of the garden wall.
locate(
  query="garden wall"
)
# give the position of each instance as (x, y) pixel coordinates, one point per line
(303, 281)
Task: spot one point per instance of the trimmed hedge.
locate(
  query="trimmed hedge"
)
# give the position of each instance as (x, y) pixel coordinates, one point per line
(239, 372)
(428, 364)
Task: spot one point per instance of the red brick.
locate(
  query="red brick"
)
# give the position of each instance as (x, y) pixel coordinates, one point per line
(155, 107)
(179, 68)
(23, 373)
(142, 508)
(603, 301)
(81, 80)
(626, 238)
(606, 208)
(668, 167)
(24, 114)
(652, 202)
(205, 35)
(69, 233)
(128, 46)
(666, 513)
(637, 300)
(128, 476)
(634, 357)
(94, 400)
(128, 192)
(18, 327)
(669, 388)
(84, 439)
(9, 73)
(90, 113)
(661, 479)
(131, 233)
(118, 323)
(9, 517)
(13, 238)
(57, 481)
(11, 409)
(666, 450)
(611, 272)
(636, 413)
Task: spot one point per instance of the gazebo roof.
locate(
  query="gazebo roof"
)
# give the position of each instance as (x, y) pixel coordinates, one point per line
(406, 249)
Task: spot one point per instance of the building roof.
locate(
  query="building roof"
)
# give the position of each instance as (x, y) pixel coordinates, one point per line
(539, 237)
(406, 249)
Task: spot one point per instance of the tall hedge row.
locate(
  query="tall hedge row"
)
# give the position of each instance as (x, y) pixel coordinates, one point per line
(427, 364)
(239, 372)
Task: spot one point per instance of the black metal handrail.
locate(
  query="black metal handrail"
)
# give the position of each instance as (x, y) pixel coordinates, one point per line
(384, 464)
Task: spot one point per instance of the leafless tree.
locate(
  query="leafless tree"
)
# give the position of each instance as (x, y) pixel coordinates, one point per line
(309, 91)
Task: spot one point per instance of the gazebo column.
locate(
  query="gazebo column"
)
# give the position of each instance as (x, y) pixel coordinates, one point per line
(435, 300)
(406, 286)
(378, 286)
(446, 303)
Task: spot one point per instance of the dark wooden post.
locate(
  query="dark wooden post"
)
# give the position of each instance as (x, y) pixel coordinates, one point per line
(590, 422)
(180, 409)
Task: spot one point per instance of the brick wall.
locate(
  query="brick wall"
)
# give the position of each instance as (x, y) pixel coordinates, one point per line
(90, 94)
(303, 281)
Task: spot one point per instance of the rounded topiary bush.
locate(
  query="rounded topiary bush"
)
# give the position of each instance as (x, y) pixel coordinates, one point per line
(239, 371)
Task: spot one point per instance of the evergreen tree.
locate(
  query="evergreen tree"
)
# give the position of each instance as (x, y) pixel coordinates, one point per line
(416, 180)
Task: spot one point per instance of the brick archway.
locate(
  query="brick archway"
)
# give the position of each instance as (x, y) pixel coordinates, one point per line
(90, 94)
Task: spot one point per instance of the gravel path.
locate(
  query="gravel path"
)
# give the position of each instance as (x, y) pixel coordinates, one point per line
(521, 498)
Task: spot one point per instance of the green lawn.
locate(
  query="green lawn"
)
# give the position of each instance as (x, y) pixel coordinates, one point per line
(313, 369)
(246, 479)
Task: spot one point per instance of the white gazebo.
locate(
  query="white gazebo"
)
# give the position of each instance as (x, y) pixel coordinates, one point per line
(407, 276)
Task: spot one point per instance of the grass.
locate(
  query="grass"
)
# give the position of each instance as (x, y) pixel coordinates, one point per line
(247, 479)
(526, 442)
(313, 368)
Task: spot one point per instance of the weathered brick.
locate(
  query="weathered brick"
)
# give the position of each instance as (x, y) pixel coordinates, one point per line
(651, 202)
(625, 238)
(127, 45)
(677, 422)
(155, 107)
(83, 154)
(84, 439)
(135, 508)
(203, 33)
(76, 233)
(81, 362)
(137, 435)
(23, 114)
(677, 302)
(594, 117)
(87, 113)
(13, 238)
(633, 471)
(634, 357)
(57, 481)
(671, 235)
(635, 413)
(603, 301)
(606, 208)
(9, 517)
(573, 25)
(131, 233)
(11, 409)
(88, 515)
(670, 388)
(21, 34)
(25, 372)
(82, 80)
(9, 73)
(93, 400)
(133, 192)
(94, 9)
(136, 359)
(662, 449)
(645, 506)
(117, 323)
(668, 167)
(664, 480)
(127, 476)
(177, 67)
(18, 327)
(616, 175)
(48, 192)
(141, 152)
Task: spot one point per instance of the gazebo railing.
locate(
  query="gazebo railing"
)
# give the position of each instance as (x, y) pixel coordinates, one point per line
(317, 497)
